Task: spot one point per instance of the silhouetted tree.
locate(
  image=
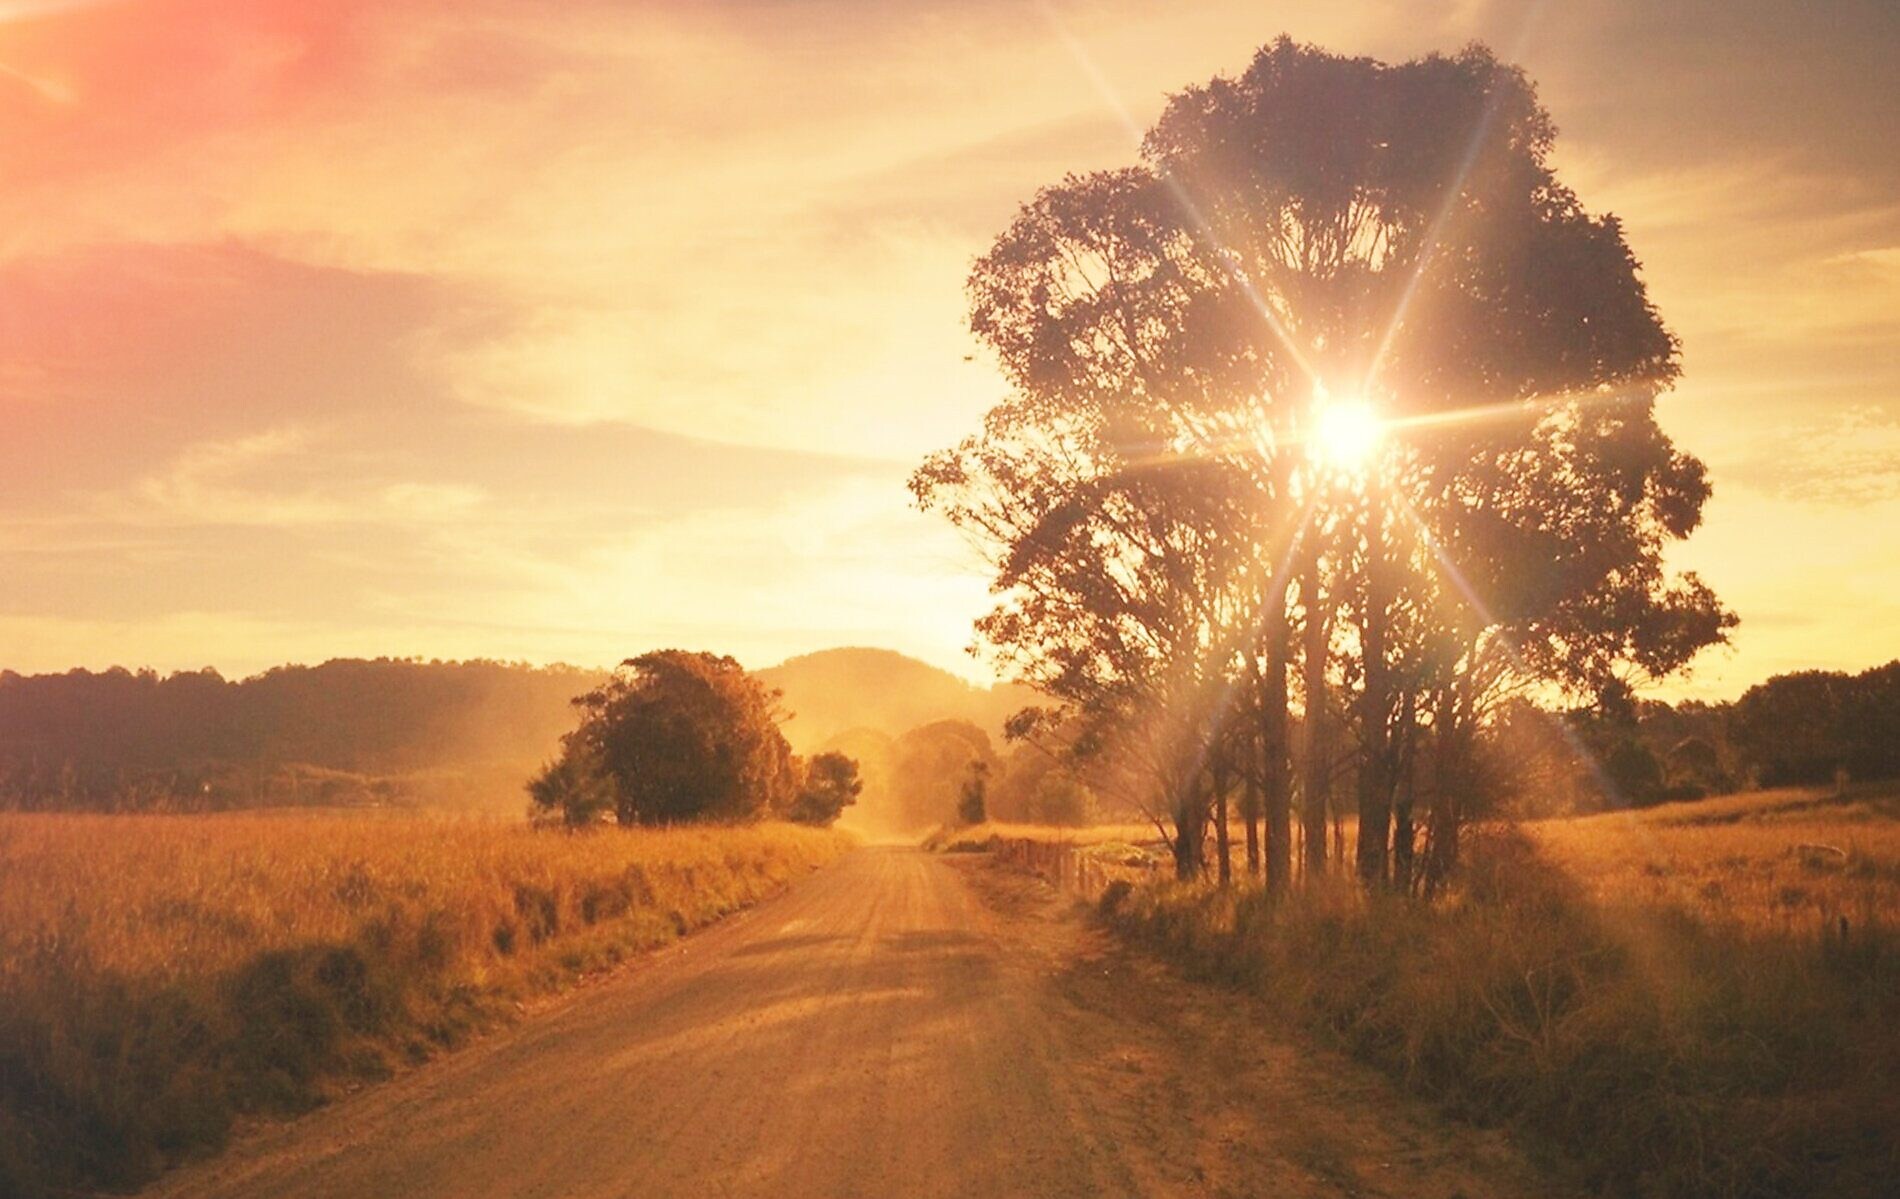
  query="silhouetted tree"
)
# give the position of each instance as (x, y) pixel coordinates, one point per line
(972, 805)
(1789, 727)
(831, 785)
(1806, 726)
(1175, 335)
(1872, 717)
(574, 789)
(929, 765)
(686, 736)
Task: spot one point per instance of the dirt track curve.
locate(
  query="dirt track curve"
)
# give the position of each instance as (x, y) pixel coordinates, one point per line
(898, 1025)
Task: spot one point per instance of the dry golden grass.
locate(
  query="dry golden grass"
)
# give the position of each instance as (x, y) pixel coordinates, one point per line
(1668, 997)
(954, 839)
(1793, 861)
(162, 975)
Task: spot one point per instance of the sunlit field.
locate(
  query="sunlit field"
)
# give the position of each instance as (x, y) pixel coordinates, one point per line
(1696, 999)
(1797, 861)
(162, 976)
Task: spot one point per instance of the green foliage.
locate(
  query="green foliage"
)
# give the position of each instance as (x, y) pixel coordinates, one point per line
(831, 785)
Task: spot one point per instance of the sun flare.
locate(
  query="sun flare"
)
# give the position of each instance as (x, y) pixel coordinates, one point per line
(1348, 432)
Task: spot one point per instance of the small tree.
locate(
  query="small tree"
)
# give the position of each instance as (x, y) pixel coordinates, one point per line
(928, 767)
(831, 785)
(972, 805)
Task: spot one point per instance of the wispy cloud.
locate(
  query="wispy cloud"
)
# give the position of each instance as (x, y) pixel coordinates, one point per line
(279, 478)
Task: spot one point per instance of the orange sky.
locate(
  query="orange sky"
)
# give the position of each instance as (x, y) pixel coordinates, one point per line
(564, 331)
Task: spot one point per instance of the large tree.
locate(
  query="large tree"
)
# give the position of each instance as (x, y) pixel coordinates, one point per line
(1325, 235)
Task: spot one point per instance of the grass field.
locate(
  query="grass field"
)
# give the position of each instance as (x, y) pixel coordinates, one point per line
(1793, 861)
(1698, 999)
(162, 977)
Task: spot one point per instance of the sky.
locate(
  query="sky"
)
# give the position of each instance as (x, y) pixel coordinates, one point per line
(565, 331)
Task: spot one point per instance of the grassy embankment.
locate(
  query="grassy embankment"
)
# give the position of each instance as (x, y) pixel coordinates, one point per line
(1700, 999)
(163, 976)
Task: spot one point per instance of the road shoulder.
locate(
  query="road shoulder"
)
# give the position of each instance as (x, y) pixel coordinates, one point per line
(1212, 1097)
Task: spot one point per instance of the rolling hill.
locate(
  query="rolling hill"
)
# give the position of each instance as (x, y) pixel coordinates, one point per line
(836, 690)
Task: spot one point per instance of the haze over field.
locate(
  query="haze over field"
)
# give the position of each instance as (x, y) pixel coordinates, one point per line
(641, 354)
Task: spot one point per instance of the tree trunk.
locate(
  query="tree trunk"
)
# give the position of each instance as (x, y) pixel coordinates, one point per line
(1222, 848)
(1190, 828)
(1404, 836)
(1276, 774)
(1375, 764)
(1441, 845)
(1316, 785)
(1250, 816)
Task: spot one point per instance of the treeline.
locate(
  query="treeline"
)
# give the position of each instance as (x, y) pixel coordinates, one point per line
(675, 737)
(1806, 728)
(1814, 725)
(354, 732)
(347, 731)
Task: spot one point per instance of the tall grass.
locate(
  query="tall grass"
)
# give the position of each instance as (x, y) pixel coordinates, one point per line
(1668, 1049)
(161, 976)
(1790, 862)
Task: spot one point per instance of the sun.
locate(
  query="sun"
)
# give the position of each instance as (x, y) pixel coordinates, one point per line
(1348, 432)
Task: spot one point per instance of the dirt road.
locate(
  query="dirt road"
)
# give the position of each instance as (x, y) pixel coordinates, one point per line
(899, 1025)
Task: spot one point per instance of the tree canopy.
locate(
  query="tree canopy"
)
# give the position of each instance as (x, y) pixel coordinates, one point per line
(1323, 231)
(830, 786)
(685, 736)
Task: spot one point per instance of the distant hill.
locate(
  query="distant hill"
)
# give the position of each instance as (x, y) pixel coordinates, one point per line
(835, 690)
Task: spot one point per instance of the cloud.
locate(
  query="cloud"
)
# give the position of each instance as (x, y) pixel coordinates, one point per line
(541, 329)
(281, 478)
(824, 565)
(1848, 459)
